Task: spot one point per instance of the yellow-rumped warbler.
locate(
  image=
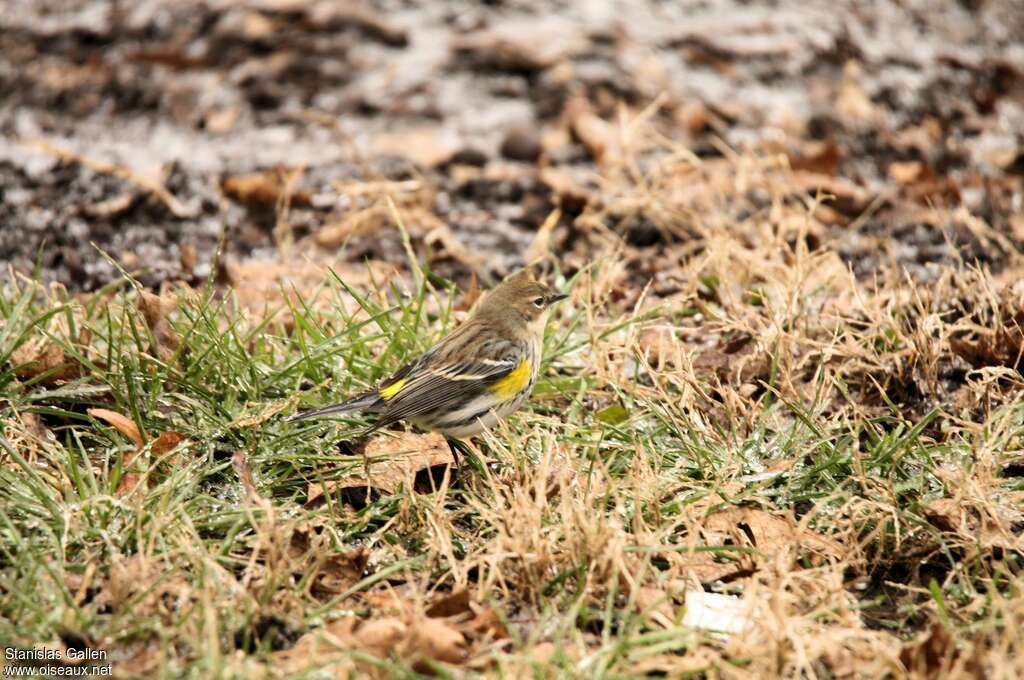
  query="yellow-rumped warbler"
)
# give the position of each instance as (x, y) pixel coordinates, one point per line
(475, 376)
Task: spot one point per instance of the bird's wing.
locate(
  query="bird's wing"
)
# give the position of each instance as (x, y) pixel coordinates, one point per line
(448, 384)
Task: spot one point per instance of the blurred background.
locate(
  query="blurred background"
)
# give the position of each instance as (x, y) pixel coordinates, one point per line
(156, 128)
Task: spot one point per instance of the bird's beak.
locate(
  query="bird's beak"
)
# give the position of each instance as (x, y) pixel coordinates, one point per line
(556, 298)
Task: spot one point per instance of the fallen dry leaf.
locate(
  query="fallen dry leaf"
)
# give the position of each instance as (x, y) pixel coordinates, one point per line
(662, 348)
(509, 51)
(40, 356)
(486, 624)
(34, 425)
(155, 310)
(931, 653)
(111, 207)
(427, 146)
(540, 247)
(469, 298)
(599, 136)
(149, 583)
(844, 196)
(999, 346)
(415, 639)
(127, 483)
(853, 103)
(265, 188)
(572, 195)
(340, 571)
(702, 566)
(393, 462)
(435, 639)
(656, 605)
(817, 157)
(736, 360)
(990, 526)
(770, 533)
(165, 442)
(321, 649)
(314, 558)
(357, 223)
(121, 423)
(905, 172)
(220, 121)
(443, 235)
(381, 636)
(262, 284)
(395, 599)
(258, 284)
(453, 604)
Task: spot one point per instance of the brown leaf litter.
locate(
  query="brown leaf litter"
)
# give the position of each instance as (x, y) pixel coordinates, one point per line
(392, 462)
(571, 192)
(303, 551)
(427, 145)
(934, 654)
(327, 571)
(156, 310)
(736, 360)
(165, 443)
(266, 188)
(469, 298)
(511, 50)
(770, 533)
(1001, 345)
(41, 356)
(736, 541)
(418, 641)
(262, 285)
(356, 223)
(120, 422)
(145, 582)
(451, 630)
(601, 138)
(979, 525)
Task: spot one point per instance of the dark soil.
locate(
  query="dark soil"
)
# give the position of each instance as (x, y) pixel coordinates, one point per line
(918, 109)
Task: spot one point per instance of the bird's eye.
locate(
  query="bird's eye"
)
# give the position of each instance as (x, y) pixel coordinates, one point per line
(539, 302)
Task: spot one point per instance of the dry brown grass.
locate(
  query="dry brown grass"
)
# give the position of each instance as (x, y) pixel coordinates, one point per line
(732, 411)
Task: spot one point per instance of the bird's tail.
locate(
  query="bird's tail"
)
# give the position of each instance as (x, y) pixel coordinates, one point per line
(361, 402)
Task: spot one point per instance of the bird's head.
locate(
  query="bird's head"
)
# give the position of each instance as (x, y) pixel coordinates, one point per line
(522, 295)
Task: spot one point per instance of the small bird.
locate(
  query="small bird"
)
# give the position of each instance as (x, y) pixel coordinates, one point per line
(475, 376)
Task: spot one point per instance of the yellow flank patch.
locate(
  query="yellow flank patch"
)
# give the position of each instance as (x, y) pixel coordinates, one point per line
(513, 383)
(391, 390)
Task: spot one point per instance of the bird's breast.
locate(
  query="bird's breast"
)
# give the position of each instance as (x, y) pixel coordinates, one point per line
(518, 379)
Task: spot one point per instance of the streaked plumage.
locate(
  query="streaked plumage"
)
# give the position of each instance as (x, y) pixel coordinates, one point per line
(475, 376)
